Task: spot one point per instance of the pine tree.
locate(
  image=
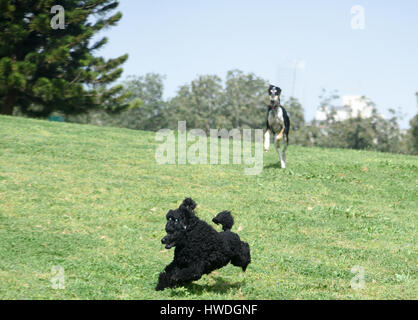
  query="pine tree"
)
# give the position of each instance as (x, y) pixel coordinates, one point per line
(48, 63)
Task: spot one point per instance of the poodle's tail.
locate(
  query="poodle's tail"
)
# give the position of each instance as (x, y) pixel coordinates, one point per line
(225, 219)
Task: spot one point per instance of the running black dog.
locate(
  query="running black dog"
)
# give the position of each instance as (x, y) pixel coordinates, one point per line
(199, 248)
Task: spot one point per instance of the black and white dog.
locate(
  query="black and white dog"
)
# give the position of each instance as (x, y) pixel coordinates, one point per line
(278, 123)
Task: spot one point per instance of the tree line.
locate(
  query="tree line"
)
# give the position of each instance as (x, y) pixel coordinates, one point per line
(241, 102)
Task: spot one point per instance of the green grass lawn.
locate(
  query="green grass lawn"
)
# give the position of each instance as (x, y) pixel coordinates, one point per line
(93, 200)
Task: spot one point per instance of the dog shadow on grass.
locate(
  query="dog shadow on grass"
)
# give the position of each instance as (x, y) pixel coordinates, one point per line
(220, 286)
(275, 165)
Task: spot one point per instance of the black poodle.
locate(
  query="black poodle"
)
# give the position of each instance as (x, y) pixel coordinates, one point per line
(200, 249)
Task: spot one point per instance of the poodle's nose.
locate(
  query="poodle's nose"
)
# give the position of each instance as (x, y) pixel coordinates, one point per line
(164, 240)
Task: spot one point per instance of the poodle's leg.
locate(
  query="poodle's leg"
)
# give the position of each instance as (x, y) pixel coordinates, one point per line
(165, 278)
(173, 276)
(170, 267)
(191, 273)
(164, 281)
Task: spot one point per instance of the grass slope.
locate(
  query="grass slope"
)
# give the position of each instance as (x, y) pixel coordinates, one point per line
(93, 201)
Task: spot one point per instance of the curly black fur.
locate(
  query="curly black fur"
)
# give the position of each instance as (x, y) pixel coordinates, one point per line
(225, 219)
(199, 248)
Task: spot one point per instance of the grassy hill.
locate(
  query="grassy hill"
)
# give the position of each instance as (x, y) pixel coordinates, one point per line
(93, 201)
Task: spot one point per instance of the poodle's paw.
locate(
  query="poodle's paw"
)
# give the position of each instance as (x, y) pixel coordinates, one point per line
(163, 282)
(159, 287)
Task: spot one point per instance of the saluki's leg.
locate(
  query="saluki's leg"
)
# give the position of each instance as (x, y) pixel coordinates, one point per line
(280, 136)
(277, 145)
(284, 151)
(277, 140)
(266, 140)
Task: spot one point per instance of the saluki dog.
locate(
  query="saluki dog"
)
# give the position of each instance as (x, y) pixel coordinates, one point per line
(278, 123)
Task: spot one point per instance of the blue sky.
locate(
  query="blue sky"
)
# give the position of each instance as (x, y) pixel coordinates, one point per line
(183, 39)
